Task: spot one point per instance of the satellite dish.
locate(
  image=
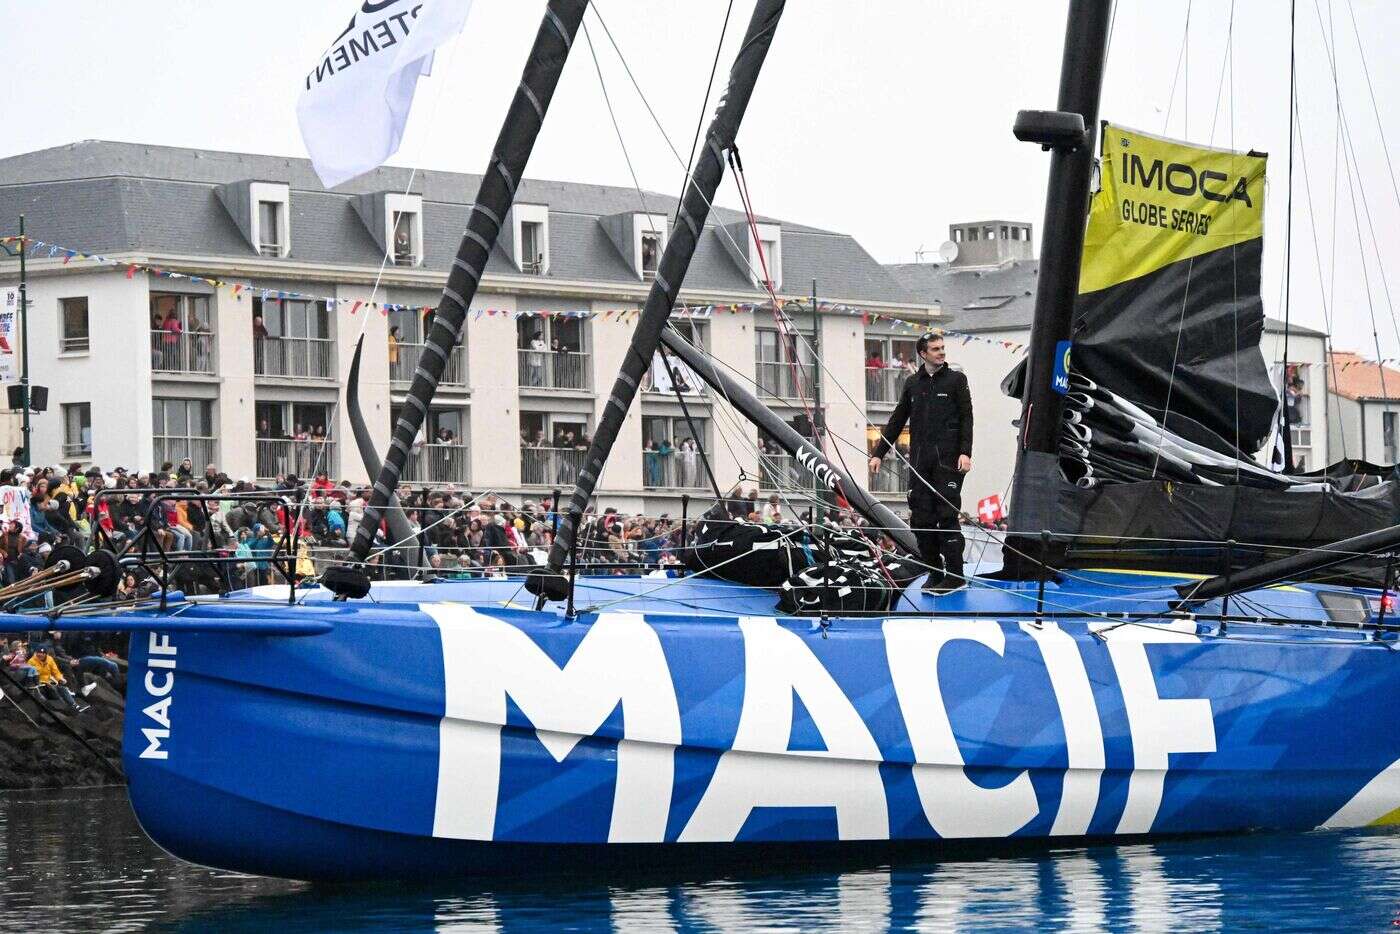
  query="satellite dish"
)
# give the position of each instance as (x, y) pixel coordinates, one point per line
(948, 251)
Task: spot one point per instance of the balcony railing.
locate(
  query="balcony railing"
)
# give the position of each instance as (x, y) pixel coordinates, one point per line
(676, 470)
(885, 383)
(549, 466)
(892, 478)
(301, 357)
(182, 352)
(554, 369)
(401, 371)
(200, 451)
(437, 463)
(785, 380)
(690, 384)
(278, 457)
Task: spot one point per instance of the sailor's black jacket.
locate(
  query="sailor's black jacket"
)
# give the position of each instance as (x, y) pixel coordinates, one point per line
(938, 409)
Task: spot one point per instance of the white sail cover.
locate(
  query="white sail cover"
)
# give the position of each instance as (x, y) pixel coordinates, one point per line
(356, 99)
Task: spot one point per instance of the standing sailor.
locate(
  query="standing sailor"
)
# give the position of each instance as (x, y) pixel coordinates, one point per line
(938, 407)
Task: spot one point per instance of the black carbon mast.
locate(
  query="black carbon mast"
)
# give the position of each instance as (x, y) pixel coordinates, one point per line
(493, 200)
(1069, 134)
(803, 450)
(675, 260)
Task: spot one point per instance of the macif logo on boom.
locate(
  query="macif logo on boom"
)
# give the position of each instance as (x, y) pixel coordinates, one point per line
(1182, 179)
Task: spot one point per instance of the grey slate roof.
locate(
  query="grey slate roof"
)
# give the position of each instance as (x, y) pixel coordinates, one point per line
(956, 287)
(108, 197)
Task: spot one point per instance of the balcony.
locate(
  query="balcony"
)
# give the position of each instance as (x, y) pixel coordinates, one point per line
(296, 357)
(892, 478)
(884, 384)
(182, 352)
(689, 383)
(401, 370)
(278, 457)
(550, 466)
(548, 369)
(200, 451)
(785, 380)
(437, 463)
(672, 471)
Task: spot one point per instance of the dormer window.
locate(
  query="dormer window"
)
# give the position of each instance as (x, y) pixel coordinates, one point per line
(532, 248)
(269, 228)
(406, 252)
(651, 254)
(767, 254)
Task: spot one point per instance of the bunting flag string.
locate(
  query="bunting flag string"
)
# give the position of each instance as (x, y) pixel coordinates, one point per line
(620, 315)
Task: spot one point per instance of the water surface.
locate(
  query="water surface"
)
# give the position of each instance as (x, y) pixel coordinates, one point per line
(77, 861)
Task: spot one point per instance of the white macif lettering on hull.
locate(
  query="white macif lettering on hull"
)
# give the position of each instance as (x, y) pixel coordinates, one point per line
(954, 804)
(1159, 727)
(160, 653)
(619, 661)
(760, 771)
(1080, 717)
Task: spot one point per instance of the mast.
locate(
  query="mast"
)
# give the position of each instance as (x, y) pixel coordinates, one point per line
(675, 260)
(1069, 134)
(493, 200)
(807, 452)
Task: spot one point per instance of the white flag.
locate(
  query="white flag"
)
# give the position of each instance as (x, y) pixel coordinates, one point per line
(356, 100)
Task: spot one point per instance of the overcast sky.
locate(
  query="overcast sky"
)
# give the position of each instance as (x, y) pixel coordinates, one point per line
(888, 120)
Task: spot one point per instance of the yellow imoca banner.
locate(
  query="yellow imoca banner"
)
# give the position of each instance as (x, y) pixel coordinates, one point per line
(1169, 313)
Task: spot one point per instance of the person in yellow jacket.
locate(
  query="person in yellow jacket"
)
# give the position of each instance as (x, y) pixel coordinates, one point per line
(51, 680)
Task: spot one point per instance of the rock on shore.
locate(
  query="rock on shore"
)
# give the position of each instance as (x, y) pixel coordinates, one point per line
(37, 752)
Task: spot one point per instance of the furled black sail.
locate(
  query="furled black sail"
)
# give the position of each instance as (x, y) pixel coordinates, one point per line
(493, 199)
(1167, 400)
(675, 260)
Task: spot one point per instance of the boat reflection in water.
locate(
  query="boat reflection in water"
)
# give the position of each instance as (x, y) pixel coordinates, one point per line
(57, 879)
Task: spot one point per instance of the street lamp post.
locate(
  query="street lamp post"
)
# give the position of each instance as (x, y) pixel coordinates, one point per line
(23, 336)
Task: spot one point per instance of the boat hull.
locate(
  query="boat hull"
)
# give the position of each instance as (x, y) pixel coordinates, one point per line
(450, 739)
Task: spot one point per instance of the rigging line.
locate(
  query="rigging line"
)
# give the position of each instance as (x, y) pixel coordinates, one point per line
(1226, 59)
(1336, 172)
(1366, 277)
(603, 86)
(1331, 363)
(719, 229)
(1371, 88)
(1288, 228)
(704, 105)
(1176, 358)
(1176, 73)
(1234, 245)
(1351, 161)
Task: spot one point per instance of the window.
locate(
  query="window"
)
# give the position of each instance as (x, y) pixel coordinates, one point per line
(785, 365)
(552, 448)
(439, 454)
(1388, 436)
(184, 428)
(74, 315)
(651, 254)
(532, 247)
(182, 337)
(770, 262)
(889, 362)
(1004, 233)
(405, 239)
(957, 235)
(270, 228)
(658, 378)
(1297, 399)
(972, 233)
(292, 337)
(671, 452)
(294, 438)
(552, 352)
(77, 429)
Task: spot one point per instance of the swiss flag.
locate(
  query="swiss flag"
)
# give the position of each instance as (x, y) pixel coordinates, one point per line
(989, 509)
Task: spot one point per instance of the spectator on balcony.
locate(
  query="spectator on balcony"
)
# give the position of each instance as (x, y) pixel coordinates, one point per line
(259, 345)
(395, 338)
(688, 459)
(651, 463)
(171, 341)
(535, 360)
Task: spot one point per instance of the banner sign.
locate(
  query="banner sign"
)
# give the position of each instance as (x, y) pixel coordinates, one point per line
(9, 315)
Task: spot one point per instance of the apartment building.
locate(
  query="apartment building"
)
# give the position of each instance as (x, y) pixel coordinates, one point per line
(241, 358)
